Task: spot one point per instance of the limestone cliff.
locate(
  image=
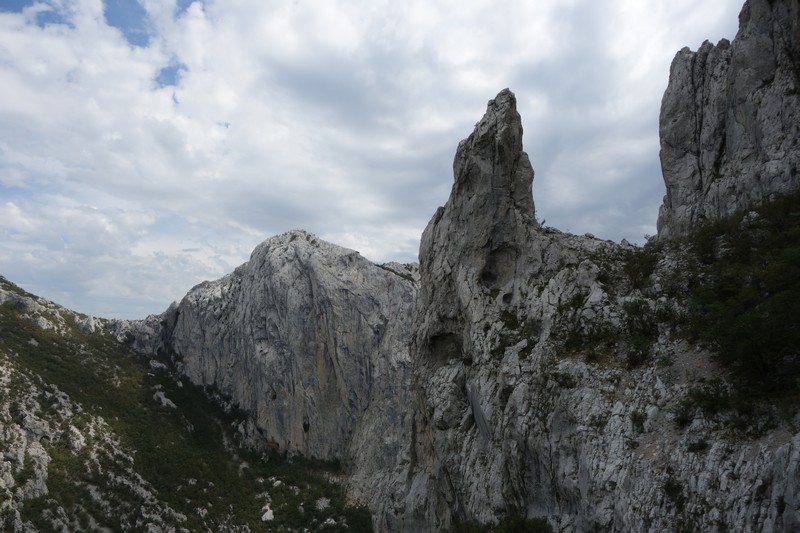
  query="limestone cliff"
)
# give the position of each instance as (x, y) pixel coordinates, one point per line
(524, 372)
(730, 120)
(306, 337)
(472, 245)
(544, 385)
(94, 437)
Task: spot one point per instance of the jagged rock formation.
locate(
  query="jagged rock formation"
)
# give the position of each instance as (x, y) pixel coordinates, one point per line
(730, 120)
(521, 371)
(543, 384)
(473, 243)
(511, 416)
(306, 337)
(478, 257)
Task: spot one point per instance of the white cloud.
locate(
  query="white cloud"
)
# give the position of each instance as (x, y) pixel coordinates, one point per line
(119, 191)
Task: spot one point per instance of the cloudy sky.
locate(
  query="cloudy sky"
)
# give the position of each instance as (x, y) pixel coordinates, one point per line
(146, 146)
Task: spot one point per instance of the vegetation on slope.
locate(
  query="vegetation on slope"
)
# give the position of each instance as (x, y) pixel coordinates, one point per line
(734, 288)
(744, 292)
(142, 455)
(507, 525)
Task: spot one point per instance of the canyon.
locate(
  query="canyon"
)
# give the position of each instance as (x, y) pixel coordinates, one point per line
(519, 372)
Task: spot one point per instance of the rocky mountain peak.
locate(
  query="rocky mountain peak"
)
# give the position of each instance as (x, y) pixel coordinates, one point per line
(300, 337)
(474, 241)
(520, 378)
(490, 165)
(730, 120)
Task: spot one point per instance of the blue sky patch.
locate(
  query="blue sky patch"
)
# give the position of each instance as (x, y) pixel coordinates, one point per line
(43, 18)
(129, 17)
(169, 75)
(182, 5)
(14, 6)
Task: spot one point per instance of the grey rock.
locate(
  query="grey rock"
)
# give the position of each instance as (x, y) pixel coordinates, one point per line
(144, 336)
(506, 421)
(730, 120)
(307, 337)
(473, 244)
(29, 429)
(451, 394)
(487, 270)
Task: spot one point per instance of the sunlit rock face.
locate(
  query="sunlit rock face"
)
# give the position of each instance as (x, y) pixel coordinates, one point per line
(730, 120)
(306, 336)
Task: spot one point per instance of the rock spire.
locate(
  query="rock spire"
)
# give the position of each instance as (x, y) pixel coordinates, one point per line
(474, 241)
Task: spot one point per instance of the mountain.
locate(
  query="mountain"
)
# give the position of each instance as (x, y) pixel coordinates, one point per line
(559, 377)
(518, 378)
(95, 437)
(306, 335)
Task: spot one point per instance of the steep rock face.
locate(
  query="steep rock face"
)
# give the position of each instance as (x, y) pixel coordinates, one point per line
(543, 383)
(306, 337)
(473, 244)
(487, 294)
(730, 120)
(530, 396)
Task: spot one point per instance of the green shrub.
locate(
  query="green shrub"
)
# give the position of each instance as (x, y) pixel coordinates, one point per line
(673, 490)
(515, 329)
(642, 330)
(697, 446)
(169, 446)
(637, 419)
(564, 380)
(599, 336)
(745, 297)
(711, 398)
(640, 263)
(523, 525)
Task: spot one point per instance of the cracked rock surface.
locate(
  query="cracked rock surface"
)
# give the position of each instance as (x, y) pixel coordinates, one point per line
(504, 377)
(309, 338)
(508, 420)
(730, 120)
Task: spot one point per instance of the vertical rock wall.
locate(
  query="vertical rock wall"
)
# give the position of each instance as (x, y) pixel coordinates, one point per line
(509, 419)
(469, 404)
(471, 249)
(473, 244)
(730, 120)
(306, 336)
(484, 310)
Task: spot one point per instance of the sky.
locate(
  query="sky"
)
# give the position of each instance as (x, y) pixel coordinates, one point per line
(148, 145)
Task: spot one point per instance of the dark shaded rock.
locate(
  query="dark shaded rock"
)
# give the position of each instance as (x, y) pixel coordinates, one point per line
(730, 120)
